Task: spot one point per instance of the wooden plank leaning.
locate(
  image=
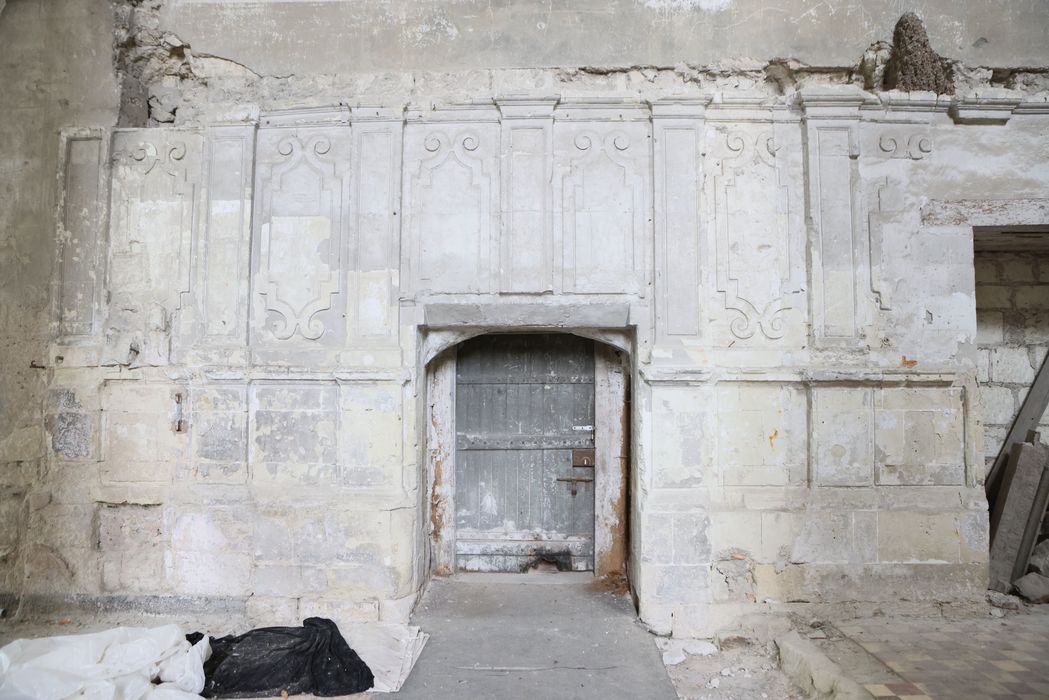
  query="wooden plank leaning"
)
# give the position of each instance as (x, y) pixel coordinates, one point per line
(1031, 411)
(1017, 512)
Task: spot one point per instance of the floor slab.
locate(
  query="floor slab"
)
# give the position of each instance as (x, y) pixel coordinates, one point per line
(944, 659)
(508, 637)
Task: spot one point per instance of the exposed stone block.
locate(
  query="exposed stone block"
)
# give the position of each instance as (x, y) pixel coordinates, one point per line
(1039, 561)
(990, 297)
(919, 436)
(690, 541)
(125, 527)
(990, 328)
(762, 436)
(999, 405)
(72, 434)
(1012, 366)
(221, 437)
(987, 271)
(213, 573)
(268, 611)
(1034, 587)
(843, 436)
(918, 537)
(827, 538)
(1032, 297)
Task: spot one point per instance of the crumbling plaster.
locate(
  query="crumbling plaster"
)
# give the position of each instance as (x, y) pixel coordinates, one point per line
(800, 295)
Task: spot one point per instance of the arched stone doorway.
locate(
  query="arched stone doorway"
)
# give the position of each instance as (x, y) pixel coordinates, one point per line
(528, 454)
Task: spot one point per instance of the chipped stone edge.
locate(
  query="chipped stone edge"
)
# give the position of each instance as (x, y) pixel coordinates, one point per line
(812, 671)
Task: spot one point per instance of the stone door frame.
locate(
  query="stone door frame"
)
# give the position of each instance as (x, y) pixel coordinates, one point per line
(613, 417)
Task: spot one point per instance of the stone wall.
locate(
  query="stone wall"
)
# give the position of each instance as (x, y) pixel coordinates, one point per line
(56, 71)
(256, 268)
(1012, 317)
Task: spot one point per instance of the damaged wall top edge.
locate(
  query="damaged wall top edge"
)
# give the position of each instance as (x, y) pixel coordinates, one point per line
(295, 37)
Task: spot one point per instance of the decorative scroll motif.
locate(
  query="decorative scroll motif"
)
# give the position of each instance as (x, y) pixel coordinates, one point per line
(154, 200)
(916, 147)
(147, 156)
(753, 245)
(451, 214)
(301, 240)
(603, 204)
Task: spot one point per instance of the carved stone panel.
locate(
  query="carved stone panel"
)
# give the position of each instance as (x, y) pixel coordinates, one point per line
(299, 250)
(450, 199)
(81, 233)
(758, 234)
(527, 233)
(225, 249)
(678, 138)
(839, 256)
(374, 270)
(601, 201)
(155, 186)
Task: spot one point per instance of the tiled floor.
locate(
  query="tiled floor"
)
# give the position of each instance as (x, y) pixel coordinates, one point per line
(988, 658)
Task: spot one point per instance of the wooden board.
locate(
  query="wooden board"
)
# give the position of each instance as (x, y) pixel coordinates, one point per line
(1012, 515)
(1031, 412)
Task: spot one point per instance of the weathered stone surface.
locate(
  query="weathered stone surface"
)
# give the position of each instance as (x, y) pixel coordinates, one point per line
(1003, 601)
(1033, 587)
(1039, 562)
(238, 372)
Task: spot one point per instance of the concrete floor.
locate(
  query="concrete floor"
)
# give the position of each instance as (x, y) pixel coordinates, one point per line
(542, 635)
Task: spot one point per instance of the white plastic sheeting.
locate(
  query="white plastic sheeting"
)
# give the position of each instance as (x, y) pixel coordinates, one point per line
(130, 663)
(126, 663)
(389, 649)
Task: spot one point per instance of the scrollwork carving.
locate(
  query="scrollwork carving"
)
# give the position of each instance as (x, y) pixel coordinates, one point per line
(916, 147)
(757, 296)
(303, 194)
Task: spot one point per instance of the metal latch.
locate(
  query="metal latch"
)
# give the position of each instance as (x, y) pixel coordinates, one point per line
(575, 480)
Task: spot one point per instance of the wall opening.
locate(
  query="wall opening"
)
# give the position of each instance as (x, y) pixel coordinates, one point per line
(1012, 322)
(527, 452)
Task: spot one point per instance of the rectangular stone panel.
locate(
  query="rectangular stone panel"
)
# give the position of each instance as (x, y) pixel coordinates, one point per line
(451, 204)
(684, 444)
(919, 436)
(154, 200)
(762, 434)
(526, 232)
(140, 440)
(299, 242)
(838, 251)
(843, 433)
(602, 176)
(755, 215)
(83, 216)
(219, 426)
(293, 433)
(370, 434)
(225, 253)
(678, 187)
(374, 272)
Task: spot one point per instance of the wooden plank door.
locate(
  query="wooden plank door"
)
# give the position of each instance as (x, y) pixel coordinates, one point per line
(524, 405)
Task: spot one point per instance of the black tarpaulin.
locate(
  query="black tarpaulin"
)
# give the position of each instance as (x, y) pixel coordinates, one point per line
(313, 659)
